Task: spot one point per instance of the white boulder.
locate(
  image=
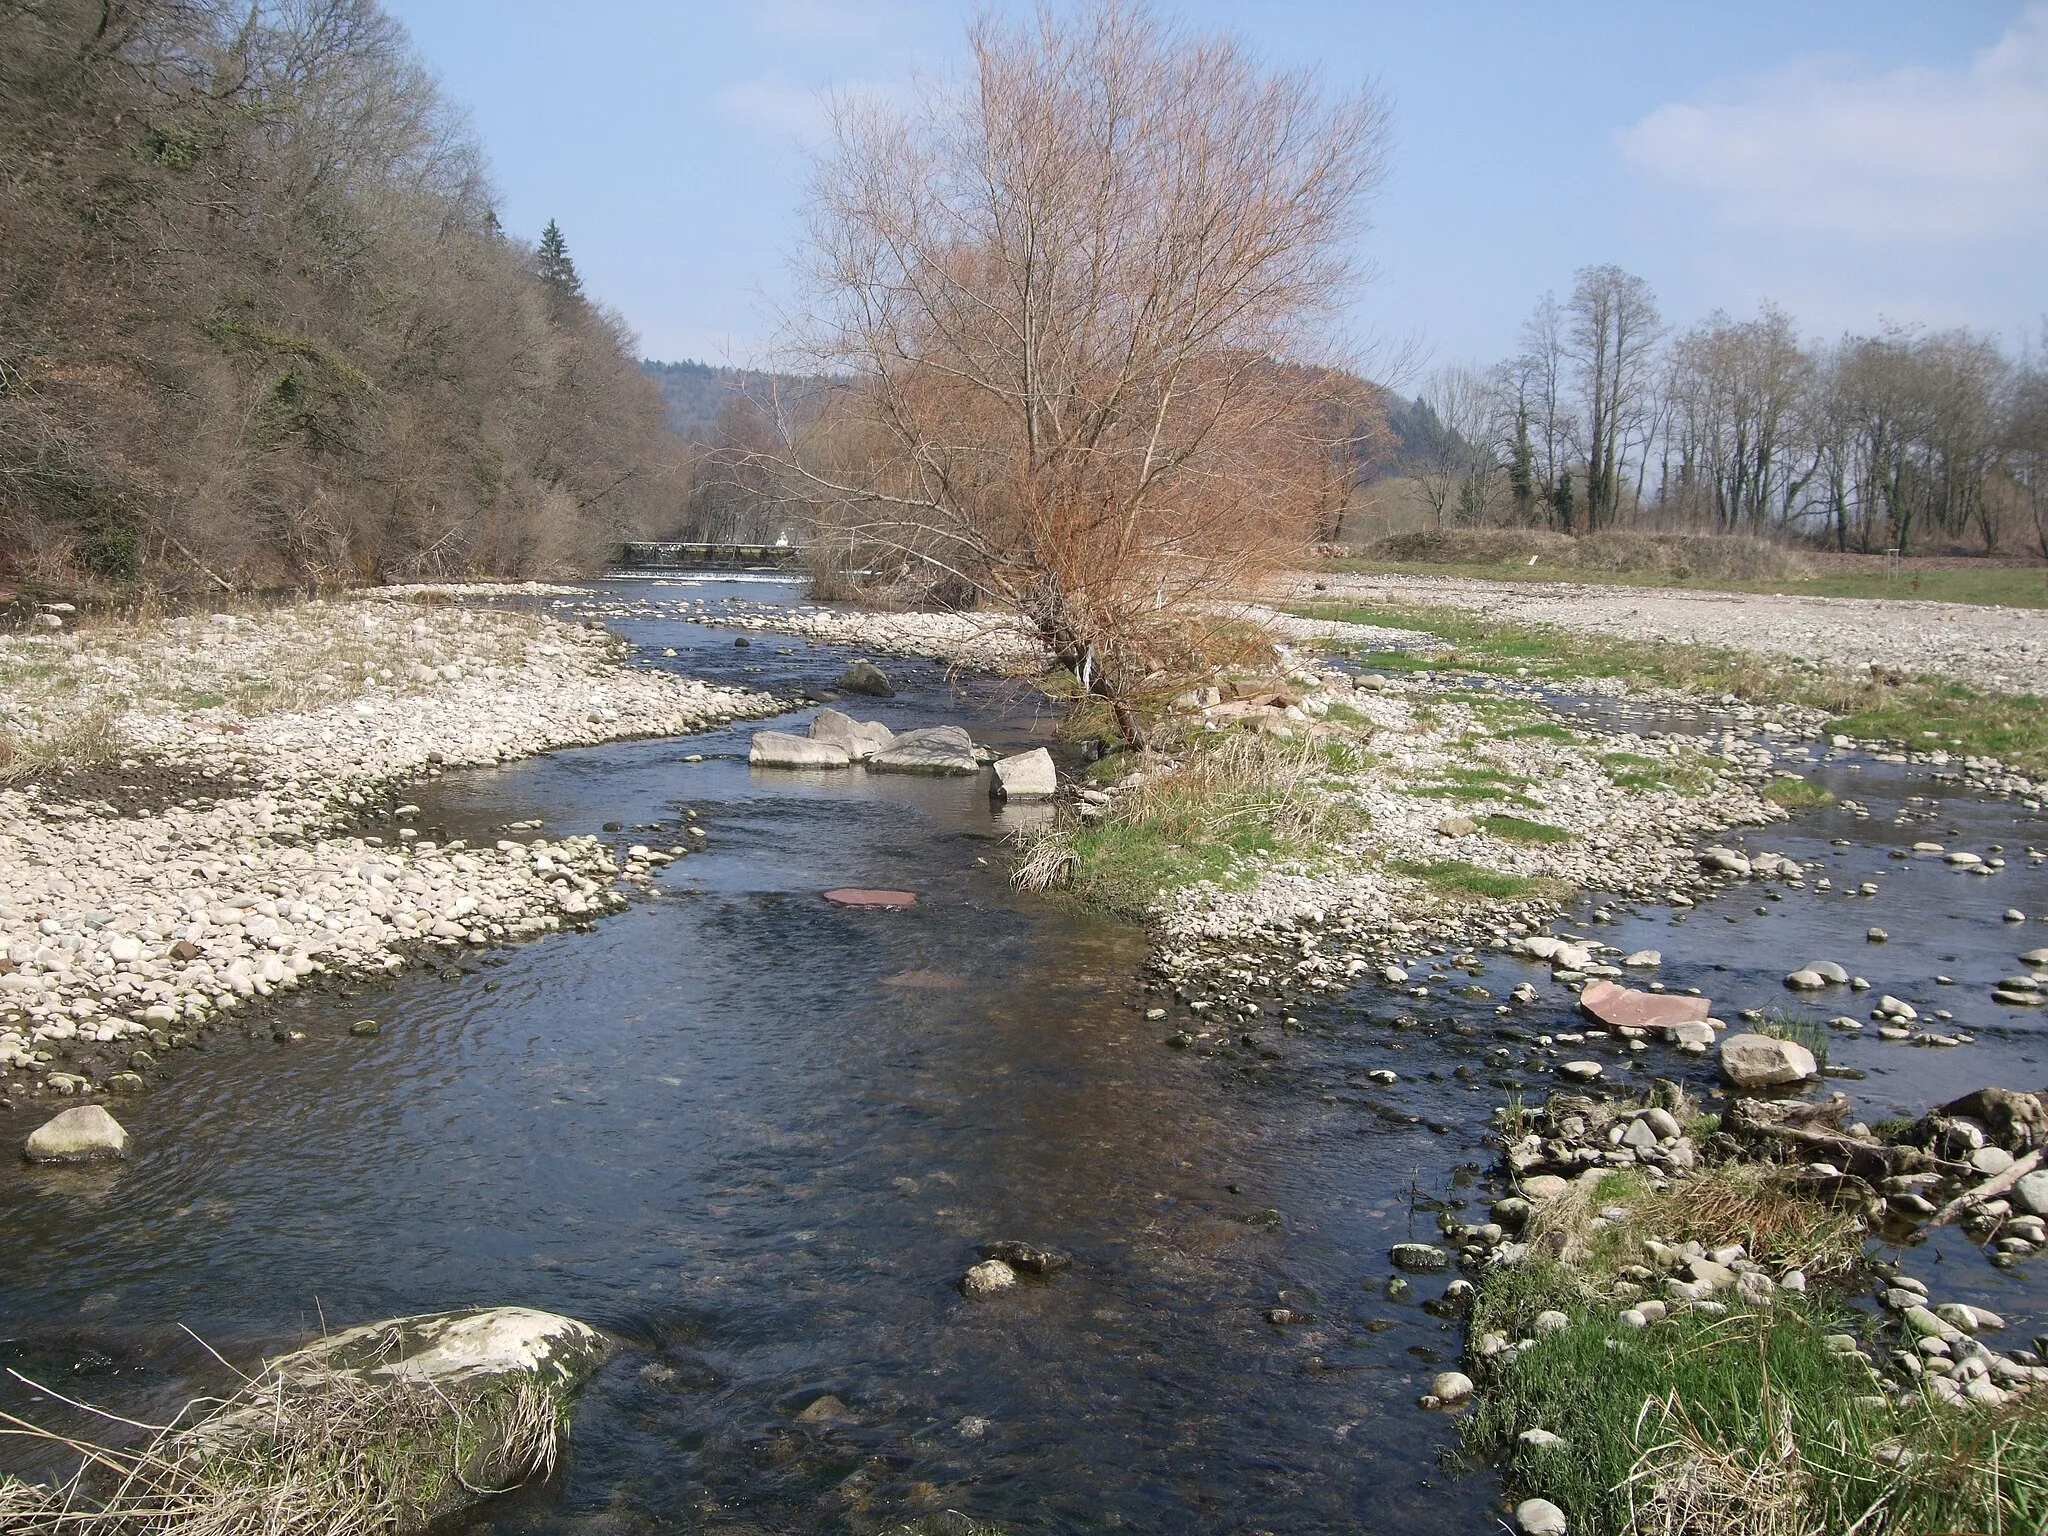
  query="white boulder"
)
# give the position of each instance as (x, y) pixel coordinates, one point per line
(1025, 776)
(780, 749)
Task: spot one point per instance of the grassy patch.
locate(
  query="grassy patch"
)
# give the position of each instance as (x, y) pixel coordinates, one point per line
(1235, 798)
(1797, 794)
(1544, 730)
(1749, 1424)
(89, 740)
(1514, 829)
(1781, 1025)
(1923, 712)
(1458, 877)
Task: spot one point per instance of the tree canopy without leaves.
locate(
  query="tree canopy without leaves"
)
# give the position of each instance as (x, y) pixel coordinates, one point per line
(1075, 298)
(259, 324)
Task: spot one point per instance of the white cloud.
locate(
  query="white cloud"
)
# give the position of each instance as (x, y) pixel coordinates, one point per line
(1832, 146)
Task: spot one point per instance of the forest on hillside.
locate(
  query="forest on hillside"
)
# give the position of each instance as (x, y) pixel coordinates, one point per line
(260, 324)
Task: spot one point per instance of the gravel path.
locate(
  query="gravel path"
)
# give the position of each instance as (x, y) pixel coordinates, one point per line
(1999, 648)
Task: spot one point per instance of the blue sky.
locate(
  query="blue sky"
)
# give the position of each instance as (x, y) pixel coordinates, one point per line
(1855, 162)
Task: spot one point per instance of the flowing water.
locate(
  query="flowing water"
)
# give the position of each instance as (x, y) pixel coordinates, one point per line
(758, 1138)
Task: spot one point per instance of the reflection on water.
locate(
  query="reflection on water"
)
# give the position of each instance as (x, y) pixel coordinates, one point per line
(759, 1137)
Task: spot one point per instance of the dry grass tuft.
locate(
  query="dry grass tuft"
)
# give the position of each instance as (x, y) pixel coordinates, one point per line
(316, 1454)
(1691, 1483)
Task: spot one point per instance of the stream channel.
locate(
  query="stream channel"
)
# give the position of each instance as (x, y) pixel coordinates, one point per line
(758, 1138)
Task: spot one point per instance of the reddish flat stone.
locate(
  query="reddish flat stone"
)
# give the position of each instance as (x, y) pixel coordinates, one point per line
(1623, 1007)
(854, 896)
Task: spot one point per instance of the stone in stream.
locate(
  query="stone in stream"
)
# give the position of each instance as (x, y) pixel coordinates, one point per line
(865, 677)
(1759, 1061)
(858, 739)
(477, 1368)
(780, 749)
(1024, 776)
(1450, 1388)
(1422, 1258)
(828, 1409)
(860, 896)
(1620, 1007)
(2032, 1192)
(936, 749)
(2038, 958)
(1827, 971)
(989, 1278)
(1806, 981)
(83, 1135)
(1028, 1257)
(1581, 1071)
(1644, 960)
(1540, 1517)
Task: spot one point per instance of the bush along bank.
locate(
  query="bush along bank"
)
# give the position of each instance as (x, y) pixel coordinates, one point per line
(1669, 1328)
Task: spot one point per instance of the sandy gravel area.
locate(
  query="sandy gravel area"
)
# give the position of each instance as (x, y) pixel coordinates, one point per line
(1999, 648)
(240, 747)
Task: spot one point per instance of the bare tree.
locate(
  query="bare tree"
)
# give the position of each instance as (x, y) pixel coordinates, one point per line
(1066, 294)
(1461, 468)
(1539, 383)
(1611, 342)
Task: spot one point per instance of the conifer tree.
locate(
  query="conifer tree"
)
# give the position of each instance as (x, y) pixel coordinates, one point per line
(556, 269)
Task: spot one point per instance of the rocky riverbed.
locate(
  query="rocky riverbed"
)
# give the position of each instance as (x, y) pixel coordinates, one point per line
(192, 840)
(2003, 649)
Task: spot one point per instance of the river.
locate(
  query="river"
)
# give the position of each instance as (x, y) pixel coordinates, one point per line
(758, 1138)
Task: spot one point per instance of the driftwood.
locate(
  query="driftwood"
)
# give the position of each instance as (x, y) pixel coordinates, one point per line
(1990, 1189)
(1798, 1126)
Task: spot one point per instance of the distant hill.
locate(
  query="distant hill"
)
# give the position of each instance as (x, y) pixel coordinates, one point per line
(693, 392)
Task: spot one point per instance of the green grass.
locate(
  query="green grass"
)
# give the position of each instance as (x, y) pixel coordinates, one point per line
(1797, 794)
(1920, 712)
(1514, 829)
(1715, 1400)
(1782, 1024)
(2000, 586)
(1235, 801)
(1544, 730)
(1458, 877)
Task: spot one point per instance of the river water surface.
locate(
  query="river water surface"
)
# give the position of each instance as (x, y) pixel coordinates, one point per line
(758, 1138)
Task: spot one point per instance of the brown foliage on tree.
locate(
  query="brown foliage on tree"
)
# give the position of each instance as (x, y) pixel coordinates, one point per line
(1069, 298)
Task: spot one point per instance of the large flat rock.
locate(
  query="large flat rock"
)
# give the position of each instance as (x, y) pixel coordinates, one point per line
(937, 749)
(780, 749)
(1620, 1007)
(1759, 1061)
(858, 739)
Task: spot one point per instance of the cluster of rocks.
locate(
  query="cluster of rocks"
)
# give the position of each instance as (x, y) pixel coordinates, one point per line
(123, 926)
(1634, 841)
(838, 741)
(1983, 1150)
(1004, 1261)
(996, 643)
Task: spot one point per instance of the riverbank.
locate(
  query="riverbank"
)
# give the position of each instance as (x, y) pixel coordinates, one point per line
(1666, 1332)
(187, 822)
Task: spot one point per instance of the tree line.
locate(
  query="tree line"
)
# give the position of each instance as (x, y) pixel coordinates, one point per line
(1605, 416)
(260, 324)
